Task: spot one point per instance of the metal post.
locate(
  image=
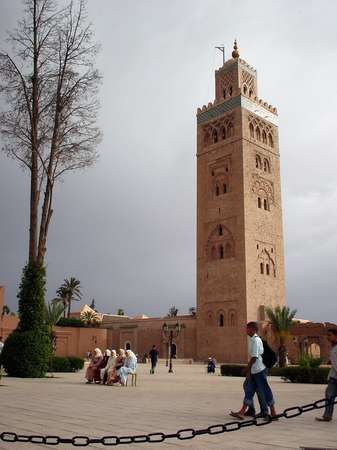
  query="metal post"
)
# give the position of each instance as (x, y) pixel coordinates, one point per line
(167, 353)
(171, 340)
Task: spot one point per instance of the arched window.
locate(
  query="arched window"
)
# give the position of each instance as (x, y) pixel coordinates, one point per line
(250, 92)
(230, 91)
(266, 166)
(265, 205)
(258, 162)
(245, 89)
(251, 130)
(215, 136)
(217, 190)
(224, 93)
(258, 134)
(221, 320)
(261, 268)
(259, 202)
(270, 140)
(264, 137)
(220, 230)
(230, 130)
(267, 269)
(225, 188)
(223, 133)
(221, 252)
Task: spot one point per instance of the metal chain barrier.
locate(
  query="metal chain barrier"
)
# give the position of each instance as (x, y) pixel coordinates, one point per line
(186, 433)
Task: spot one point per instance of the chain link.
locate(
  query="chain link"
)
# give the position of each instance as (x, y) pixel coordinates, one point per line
(183, 434)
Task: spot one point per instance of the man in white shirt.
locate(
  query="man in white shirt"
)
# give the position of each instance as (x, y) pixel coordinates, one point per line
(1, 344)
(258, 371)
(331, 390)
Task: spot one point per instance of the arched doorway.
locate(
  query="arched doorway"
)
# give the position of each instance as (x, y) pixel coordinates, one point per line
(315, 350)
(127, 346)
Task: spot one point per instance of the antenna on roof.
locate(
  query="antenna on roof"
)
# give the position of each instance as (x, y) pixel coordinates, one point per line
(222, 50)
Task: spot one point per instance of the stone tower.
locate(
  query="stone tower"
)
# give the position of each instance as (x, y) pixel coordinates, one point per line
(240, 261)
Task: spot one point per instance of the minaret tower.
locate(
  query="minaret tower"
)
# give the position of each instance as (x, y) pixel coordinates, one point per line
(240, 261)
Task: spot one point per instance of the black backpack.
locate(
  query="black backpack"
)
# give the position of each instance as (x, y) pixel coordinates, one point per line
(269, 357)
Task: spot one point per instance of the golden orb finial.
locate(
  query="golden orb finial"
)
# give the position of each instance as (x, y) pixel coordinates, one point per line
(235, 52)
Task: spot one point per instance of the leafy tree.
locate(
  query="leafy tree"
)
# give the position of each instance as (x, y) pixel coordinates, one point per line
(173, 312)
(281, 319)
(5, 311)
(48, 125)
(120, 312)
(53, 313)
(69, 291)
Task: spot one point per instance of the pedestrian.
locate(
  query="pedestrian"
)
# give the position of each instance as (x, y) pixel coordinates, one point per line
(1, 344)
(331, 390)
(256, 379)
(153, 353)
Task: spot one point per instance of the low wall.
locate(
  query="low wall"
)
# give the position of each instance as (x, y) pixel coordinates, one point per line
(76, 341)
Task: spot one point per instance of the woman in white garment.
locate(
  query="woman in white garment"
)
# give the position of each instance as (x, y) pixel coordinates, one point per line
(130, 366)
(110, 366)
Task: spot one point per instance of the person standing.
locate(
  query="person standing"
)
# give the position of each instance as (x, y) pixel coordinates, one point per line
(331, 390)
(153, 353)
(1, 344)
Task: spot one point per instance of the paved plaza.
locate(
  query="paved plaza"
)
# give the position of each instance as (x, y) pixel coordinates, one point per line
(163, 402)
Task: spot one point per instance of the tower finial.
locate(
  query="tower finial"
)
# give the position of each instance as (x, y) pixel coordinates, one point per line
(235, 52)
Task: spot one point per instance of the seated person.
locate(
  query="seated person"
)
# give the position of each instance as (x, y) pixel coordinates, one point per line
(110, 366)
(93, 370)
(112, 372)
(130, 366)
(103, 364)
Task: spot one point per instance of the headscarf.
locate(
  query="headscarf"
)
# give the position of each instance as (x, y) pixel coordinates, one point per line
(98, 353)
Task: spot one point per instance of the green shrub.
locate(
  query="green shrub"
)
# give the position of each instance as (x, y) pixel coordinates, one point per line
(26, 353)
(70, 322)
(232, 370)
(76, 363)
(309, 361)
(66, 364)
(313, 375)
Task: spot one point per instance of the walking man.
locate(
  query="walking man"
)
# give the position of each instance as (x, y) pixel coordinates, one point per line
(1, 344)
(331, 390)
(257, 371)
(154, 358)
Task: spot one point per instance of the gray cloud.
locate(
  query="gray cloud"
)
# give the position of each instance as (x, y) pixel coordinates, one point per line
(126, 228)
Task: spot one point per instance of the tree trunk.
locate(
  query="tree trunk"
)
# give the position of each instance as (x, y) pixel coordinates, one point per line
(282, 355)
(34, 193)
(69, 306)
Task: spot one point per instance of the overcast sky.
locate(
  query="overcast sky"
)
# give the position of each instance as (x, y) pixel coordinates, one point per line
(126, 228)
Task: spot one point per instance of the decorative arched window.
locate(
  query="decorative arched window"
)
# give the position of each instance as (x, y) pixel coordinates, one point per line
(258, 134)
(259, 204)
(217, 190)
(225, 188)
(245, 89)
(270, 140)
(267, 269)
(230, 130)
(221, 320)
(221, 252)
(264, 137)
(230, 90)
(215, 136)
(220, 230)
(265, 205)
(250, 92)
(251, 130)
(258, 162)
(261, 268)
(224, 93)
(223, 133)
(266, 166)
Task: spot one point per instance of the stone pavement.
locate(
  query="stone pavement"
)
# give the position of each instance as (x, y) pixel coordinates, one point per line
(160, 403)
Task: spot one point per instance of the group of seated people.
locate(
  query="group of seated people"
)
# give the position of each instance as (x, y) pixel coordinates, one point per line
(112, 367)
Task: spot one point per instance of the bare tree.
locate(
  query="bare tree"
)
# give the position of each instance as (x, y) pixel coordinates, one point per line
(50, 88)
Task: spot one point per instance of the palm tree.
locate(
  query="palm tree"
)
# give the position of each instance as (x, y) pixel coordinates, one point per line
(281, 320)
(70, 290)
(52, 314)
(90, 317)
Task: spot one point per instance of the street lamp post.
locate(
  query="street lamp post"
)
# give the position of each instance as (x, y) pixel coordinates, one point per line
(170, 333)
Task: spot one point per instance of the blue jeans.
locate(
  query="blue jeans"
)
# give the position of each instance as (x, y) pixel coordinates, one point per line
(331, 394)
(263, 390)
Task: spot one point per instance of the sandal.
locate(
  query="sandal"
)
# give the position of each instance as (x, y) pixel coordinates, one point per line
(237, 415)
